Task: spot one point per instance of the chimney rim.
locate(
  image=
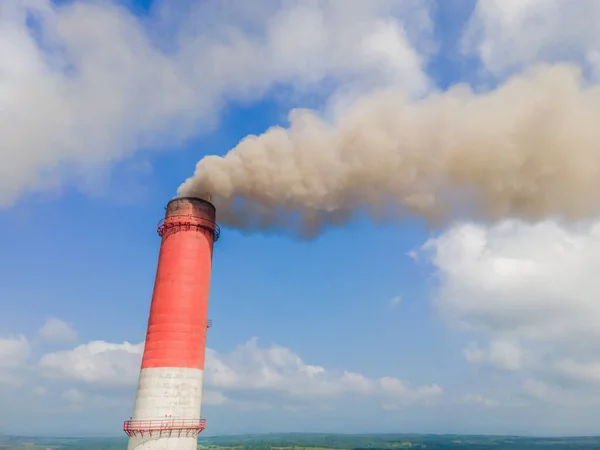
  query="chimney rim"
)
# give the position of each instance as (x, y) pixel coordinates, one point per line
(191, 199)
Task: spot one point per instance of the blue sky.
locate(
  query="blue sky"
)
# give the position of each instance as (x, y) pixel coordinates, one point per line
(417, 328)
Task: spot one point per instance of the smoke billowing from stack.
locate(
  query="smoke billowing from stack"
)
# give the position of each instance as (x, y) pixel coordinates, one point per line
(530, 149)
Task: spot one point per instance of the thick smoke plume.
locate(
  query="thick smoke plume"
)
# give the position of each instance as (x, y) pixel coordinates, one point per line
(530, 149)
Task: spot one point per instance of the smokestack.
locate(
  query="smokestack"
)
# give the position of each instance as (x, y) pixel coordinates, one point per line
(167, 407)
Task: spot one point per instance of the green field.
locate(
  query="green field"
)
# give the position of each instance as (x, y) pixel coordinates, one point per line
(306, 441)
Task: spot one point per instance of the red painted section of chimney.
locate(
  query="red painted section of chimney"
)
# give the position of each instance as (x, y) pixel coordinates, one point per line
(176, 335)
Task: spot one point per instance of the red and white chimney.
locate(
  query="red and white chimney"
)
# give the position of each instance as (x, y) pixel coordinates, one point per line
(166, 415)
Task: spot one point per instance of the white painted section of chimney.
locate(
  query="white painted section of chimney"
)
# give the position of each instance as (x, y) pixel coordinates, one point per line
(167, 392)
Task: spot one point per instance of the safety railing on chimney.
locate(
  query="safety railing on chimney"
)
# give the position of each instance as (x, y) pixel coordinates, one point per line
(164, 427)
(187, 223)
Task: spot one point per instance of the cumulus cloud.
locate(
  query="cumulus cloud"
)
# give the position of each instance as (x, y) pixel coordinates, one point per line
(529, 292)
(57, 330)
(95, 362)
(501, 354)
(278, 369)
(14, 351)
(97, 380)
(85, 84)
(510, 34)
(14, 354)
(273, 370)
(528, 280)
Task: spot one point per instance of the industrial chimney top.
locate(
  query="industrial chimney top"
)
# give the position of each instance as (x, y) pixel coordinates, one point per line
(185, 203)
(186, 212)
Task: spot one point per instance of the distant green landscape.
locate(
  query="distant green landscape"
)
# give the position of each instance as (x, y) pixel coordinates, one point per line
(308, 441)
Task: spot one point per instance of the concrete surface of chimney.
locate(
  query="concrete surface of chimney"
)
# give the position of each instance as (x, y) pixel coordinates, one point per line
(166, 414)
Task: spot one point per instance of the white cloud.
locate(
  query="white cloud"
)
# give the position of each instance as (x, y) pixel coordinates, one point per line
(532, 292)
(96, 362)
(57, 330)
(279, 369)
(97, 83)
(272, 371)
(501, 354)
(536, 281)
(14, 351)
(509, 34)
